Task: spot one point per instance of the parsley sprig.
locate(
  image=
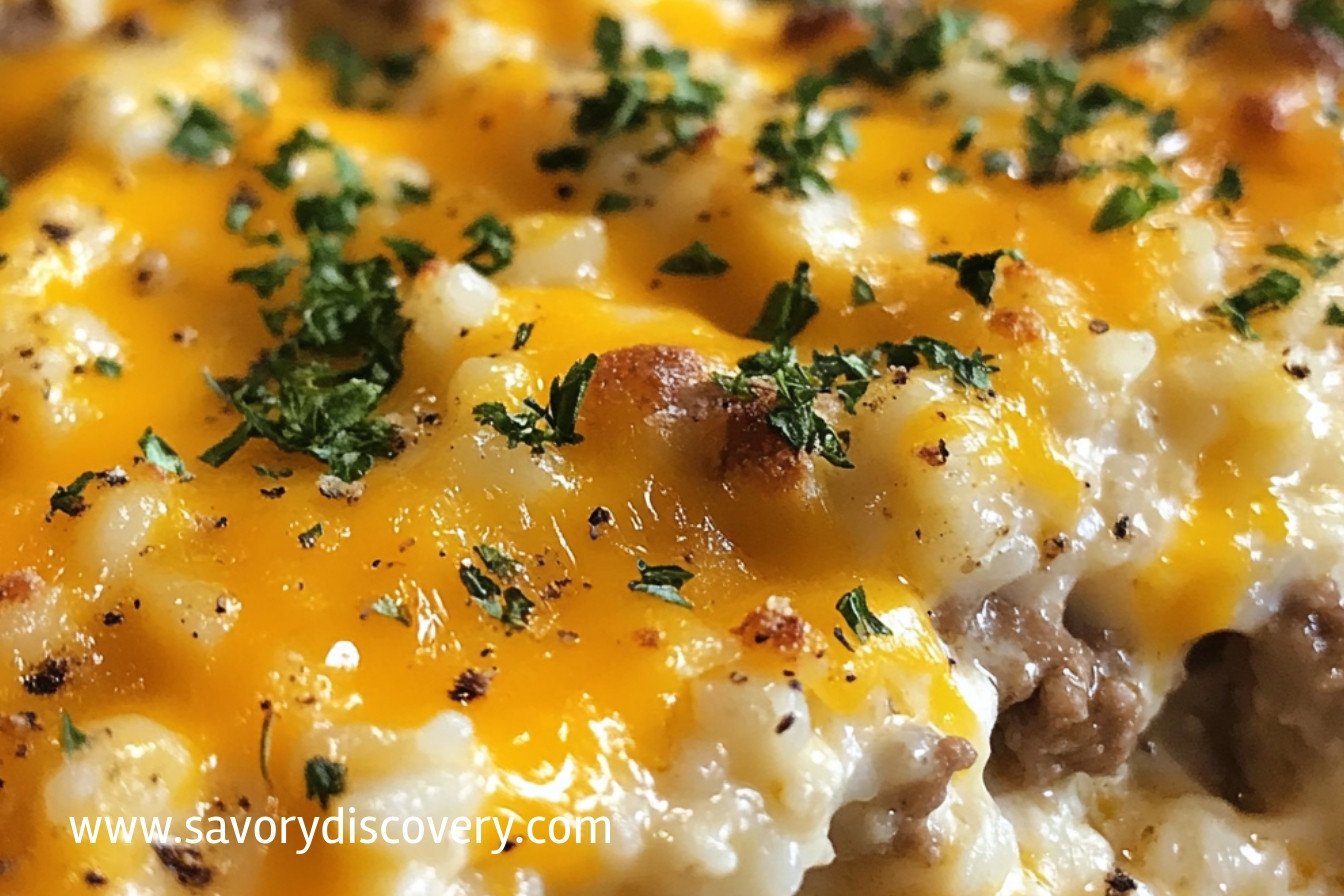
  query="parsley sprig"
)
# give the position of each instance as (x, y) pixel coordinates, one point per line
(1102, 26)
(634, 99)
(1273, 289)
(792, 151)
(1060, 108)
(318, 390)
(537, 425)
(496, 597)
(357, 79)
(896, 52)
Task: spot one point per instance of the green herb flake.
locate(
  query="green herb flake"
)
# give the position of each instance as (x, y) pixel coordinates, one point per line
(973, 370)
(853, 607)
(1127, 204)
(272, 472)
(1316, 265)
(1060, 108)
(652, 89)
(353, 75)
(323, 779)
(522, 334)
(507, 604)
(612, 202)
(788, 308)
(537, 426)
(69, 499)
(966, 136)
(391, 608)
(108, 367)
(492, 250)
(318, 391)
(1274, 289)
(896, 52)
(975, 271)
(696, 260)
(1334, 316)
(1228, 187)
(996, 161)
(498, 562)
(267, 277)
(793, 150)
(663, 582)
(161, 455)
(861, 292)
(412, 194)
(413, 255)
(6, 193)
(1103, 26)
(308, 537)
(201, 135)
(72, 739)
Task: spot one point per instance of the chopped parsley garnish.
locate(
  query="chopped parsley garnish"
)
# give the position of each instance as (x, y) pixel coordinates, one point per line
(308, 537)
(1274, 289)
(696, 260)
(1060, 109)
(69, 499)
(267, 277)
(392, 608)
(975, 271)
(412, 254)
(1316, 265)
(161, 455)
(795, 386)
(108, 367)
(341, 342)
(72, 738)
(966, 136)
(895, 54)
(793, 150)
(272, 472)
(323, 779)
(522, 334)
(1334, 316)
(1228, 188)
(5, 193)
(972, 371)
(996, 161)
(1323, 15)
(351, 71)
(569, 157)
(1105, 25)
(412, 194)
(536, 425)
(853, 607)
(652, 88)
(788, 308)
(251, 102)
(201, 135)
(507, 603)
(498, 562)
(492, 250)
(663, 582)
(611, 202)
(1127, 203)
(861, 292)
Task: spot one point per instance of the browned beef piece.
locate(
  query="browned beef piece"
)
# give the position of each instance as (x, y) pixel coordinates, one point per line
(1294, 719)
(1066, 704)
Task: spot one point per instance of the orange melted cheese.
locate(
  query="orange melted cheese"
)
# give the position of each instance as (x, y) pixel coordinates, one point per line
(419, 517)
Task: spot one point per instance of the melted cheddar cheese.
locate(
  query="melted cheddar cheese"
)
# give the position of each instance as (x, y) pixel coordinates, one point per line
(194, 600)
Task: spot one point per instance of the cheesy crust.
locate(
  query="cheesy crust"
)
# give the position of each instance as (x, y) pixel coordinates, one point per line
(846, 445)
